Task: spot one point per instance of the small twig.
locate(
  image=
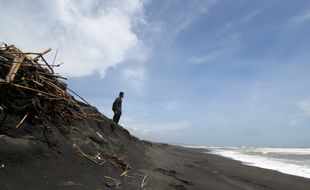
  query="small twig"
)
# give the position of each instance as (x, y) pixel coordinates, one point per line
(41, 54)
(110, 178)
(125, 173)
(93, 159)
(63, 93)
(58, 64)
(78, 96)
(99, 120)
(47, 64)
(3, 59)
(53, 75)
(55, 58)
(1, 109)
(143, 181)
(19, 124)
(35, 82)
(113, 163)
(71, 183)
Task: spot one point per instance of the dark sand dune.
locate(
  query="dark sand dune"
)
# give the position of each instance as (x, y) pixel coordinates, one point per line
(36, 159)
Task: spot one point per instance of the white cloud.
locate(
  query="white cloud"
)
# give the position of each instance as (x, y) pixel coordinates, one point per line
(254, 94)
(171, 105)
(250, 16)
(300, 119)
(305, 106)
(172, 126)
(156, 128)
(295, 122)
(299, 19)
(226, 41)
(182, 17)
(91, 35)
(160, 132)
(135, 77)
(196, 9)
(219, 48)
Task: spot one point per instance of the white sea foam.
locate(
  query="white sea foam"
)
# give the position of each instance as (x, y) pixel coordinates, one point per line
(294, 161)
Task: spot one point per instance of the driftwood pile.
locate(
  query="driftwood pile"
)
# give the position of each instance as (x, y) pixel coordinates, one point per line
(29, 87)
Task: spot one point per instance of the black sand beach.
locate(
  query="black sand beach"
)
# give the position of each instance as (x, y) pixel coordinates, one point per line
(29, 163)
(186, 168)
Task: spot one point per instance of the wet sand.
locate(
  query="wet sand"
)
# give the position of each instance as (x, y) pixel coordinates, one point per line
(186, 168)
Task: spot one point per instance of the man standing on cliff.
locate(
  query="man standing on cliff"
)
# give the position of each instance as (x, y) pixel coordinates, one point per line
(117, 107)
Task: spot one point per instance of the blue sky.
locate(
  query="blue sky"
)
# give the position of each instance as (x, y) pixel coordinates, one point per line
(203, 72)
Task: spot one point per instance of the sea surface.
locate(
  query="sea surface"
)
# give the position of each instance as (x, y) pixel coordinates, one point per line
(293, 161)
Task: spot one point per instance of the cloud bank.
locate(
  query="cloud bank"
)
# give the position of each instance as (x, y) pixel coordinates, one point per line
(91, 35)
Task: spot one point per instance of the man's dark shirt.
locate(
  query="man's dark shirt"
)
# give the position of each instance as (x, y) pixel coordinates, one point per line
(117, 105)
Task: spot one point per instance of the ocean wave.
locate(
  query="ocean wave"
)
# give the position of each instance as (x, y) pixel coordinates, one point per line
(293, 161)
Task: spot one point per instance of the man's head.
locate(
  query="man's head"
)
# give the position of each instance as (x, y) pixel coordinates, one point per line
(121, 94)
